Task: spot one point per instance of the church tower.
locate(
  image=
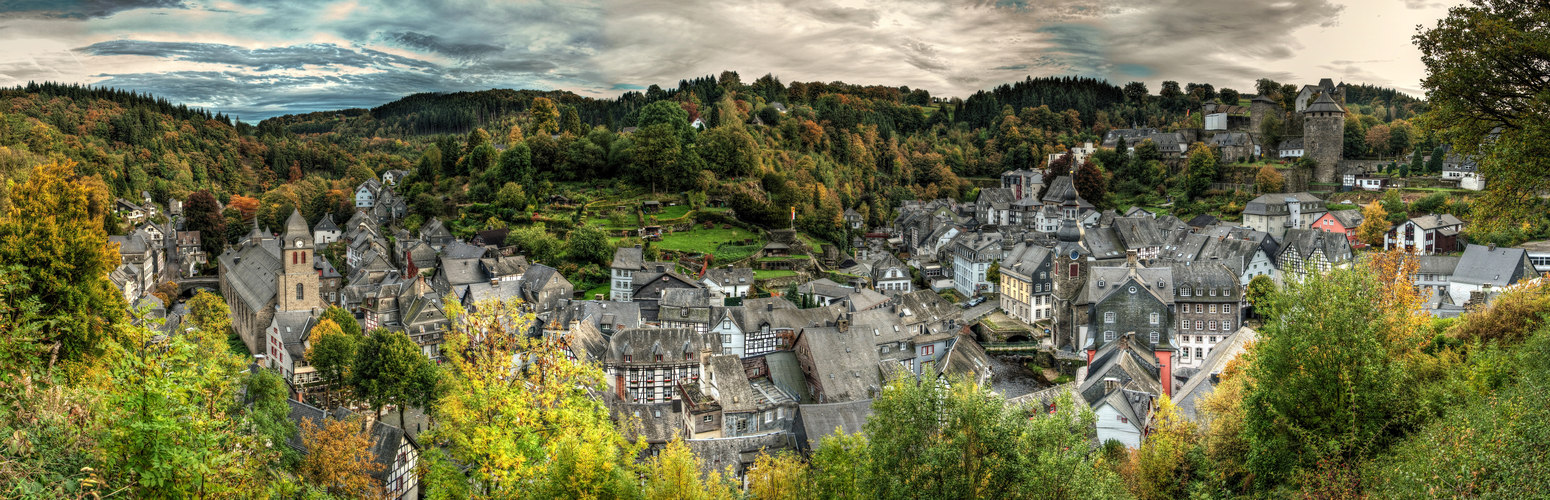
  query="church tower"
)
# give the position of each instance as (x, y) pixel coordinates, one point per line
(1070, 277)
(298, 282)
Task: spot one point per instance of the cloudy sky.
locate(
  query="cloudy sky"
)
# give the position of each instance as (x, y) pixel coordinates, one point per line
(260, 58)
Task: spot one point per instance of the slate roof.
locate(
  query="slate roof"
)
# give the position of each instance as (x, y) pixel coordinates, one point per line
(1435, 221)
(643, 344)
(844, 363)
(1337, 249)
(824, 287)
(457, 272)
(735, 393)
(1482, 265)
(1139, 232)
(251, 272)
(1204, 381)
(627, 258)
(966, 358)
(1203, 220)
(1230, 139)
(654, 422)
(1324, 104)
(326, 225)
(1126, 361)
(1202, 276)
(1261, 205)
(1350, 218)
(730, 276)
(816, 421)
(1291, 143)
(1437, 264)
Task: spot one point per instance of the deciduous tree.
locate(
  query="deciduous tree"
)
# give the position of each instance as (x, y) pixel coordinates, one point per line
(1375, 224)
(338, 457)
(1269, 180)
(53, 231)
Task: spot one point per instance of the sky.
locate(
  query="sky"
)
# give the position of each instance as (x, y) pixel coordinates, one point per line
(261, 58)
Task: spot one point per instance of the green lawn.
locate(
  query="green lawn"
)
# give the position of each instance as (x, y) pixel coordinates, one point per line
(595, 291)
(774, 259)
(715, 241)
(672, 212)
(761, 274)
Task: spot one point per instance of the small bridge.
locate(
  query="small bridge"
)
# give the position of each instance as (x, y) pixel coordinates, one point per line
(191, 285)
(1010, 347)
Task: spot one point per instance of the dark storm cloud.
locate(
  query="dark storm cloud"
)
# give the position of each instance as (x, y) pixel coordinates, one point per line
(1213, 40)
(82, 9)
(264, 59)
(435, 43)
(255, 97)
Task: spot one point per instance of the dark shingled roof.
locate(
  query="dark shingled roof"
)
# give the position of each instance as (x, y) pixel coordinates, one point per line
(845, 363)
(1204, 381)
(816, 421)
(1324, 104)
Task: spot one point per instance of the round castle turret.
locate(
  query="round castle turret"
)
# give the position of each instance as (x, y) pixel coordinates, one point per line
(1323, 136)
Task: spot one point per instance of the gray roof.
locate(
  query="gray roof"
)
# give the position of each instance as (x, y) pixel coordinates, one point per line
(675, 345)
(456, 272)
(1201, 276)
(326, 225)
(1437, 264)
(730, 276)
(818, 421)
(1262, 204)
(654, 422)
(1204, 381)
(1324, 104)
(1337, 249)
(1501, 266)
(627, 258)
(734, 392)
(461, 250)
(252, 271)
(1350, 218)
(1291, 143)
(1126, 361)
(1025, 258)
(1435, 221)
(844, 363)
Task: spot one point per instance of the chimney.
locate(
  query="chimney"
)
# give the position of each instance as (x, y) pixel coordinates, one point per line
(769, 306)
(1110, 384)
(1491, 247)
(1130, 258)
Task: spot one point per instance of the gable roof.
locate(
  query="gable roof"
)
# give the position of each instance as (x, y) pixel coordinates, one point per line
(817, 421)
(1204, 381)
(1500, 266)
(844, 363)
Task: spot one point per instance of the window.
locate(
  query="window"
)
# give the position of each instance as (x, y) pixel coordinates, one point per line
(626, 358)
(1227, 308)
(1108, 317)
(1185, 354)
(659, 356)
(1200, 308)
(708, 419)
(300, 293)
(1211, 326)
(1108, 336)
(1226, 325)
(1213, 339)
(1213, 292)
(1200, 325)
(1198, 352)
(1156, 318)
(1212, 308)
(1183, 324)
(726, 338)
(927, 350)
(1073, 269)
(1184, 291)
(1154, 337)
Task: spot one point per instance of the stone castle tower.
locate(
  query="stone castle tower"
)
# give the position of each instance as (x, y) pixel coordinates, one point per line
(1259, 109)
(1323, 132)
(297, 284)
(1070, 277)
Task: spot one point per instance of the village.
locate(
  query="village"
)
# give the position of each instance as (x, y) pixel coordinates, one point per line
(1029, 289)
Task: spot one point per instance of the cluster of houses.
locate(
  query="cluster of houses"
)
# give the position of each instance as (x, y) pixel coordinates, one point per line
(1148, 305)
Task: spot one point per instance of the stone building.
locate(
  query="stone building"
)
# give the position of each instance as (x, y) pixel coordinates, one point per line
(1208, 301)
(1323, 137)
(263, 275)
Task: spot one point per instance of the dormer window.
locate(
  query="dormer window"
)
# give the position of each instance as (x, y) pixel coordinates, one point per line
(1184, 291)
(1108, 317)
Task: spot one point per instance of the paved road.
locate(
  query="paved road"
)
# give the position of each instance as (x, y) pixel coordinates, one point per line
(973, 314)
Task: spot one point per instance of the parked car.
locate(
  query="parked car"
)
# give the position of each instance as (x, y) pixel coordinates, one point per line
(976, 301)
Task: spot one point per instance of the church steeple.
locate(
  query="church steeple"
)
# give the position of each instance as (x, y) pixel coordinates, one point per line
(298, 285)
